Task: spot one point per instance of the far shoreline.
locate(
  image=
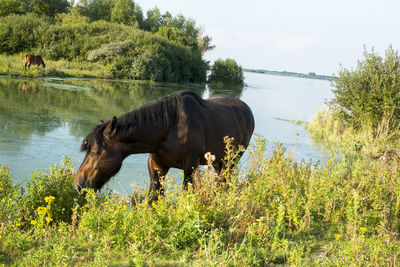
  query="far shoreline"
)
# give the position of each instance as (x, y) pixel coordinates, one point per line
(311, 75)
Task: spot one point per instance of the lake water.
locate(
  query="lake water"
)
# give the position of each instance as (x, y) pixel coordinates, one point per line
(44, 119)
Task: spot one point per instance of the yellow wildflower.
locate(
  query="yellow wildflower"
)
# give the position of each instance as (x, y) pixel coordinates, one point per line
(49, 219)
(363, 229)
(49, 199)
(41, 210)
(337, 236)
(33, 222)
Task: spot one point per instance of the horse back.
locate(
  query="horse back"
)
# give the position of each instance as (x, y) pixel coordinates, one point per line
(207, 122)
(231, 117)
(35, 60)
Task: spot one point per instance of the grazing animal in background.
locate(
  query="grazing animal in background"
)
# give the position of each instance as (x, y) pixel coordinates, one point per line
(176, 131)
(35, 60)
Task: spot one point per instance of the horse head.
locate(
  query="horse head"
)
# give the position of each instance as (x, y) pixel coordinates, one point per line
(103, 157)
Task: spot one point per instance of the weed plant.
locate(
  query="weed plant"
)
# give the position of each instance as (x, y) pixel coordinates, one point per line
(273, 210)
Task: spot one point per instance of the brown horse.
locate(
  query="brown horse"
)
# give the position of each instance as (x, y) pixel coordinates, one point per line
(35, 60)
(176, 131)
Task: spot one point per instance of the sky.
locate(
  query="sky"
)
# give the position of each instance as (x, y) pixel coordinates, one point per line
(291, 35)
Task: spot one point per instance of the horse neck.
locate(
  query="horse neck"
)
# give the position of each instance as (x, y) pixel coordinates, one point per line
(144, 139)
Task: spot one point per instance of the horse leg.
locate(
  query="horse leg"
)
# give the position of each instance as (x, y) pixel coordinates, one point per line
(156, 173)
(26, 63)
(189, 167)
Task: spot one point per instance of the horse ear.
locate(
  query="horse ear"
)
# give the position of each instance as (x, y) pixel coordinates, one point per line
(101, 122)
(111, 128)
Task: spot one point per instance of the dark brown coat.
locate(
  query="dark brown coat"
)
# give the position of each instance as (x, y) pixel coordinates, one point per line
(35, 60)
(176, 131)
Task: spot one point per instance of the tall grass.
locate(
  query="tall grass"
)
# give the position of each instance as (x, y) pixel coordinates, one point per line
(330, 132)
(274, 210)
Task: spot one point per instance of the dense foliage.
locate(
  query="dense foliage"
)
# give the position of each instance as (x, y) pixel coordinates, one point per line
(275, 211)
(48, 8)
(227, 72)
(161, 47)
(370, 94)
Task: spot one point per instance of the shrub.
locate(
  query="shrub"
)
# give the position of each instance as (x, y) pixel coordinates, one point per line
(9, 197)
(145, 67)
(227, 72)
(109, 51)
(21, 32)
(55, 183)
(370, 93)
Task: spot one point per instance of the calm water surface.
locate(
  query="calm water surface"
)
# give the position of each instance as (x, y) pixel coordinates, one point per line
(43, 120)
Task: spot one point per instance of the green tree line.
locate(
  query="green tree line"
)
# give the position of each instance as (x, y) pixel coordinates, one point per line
(116, 33)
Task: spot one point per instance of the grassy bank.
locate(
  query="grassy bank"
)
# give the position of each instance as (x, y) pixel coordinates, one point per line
(275, 211)
(14, 66)
(328, 131)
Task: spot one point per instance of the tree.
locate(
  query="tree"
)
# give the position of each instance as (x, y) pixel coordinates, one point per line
(204, 42)
(50, 7)
(95, 9)
(369, 94)
(153, 20)
(8, 7)
(139, 16)
(227, 72)
(123, 12)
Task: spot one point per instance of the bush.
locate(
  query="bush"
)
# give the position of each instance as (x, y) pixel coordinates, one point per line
(145, 67)
(370, 93)
(226, 72)
(55, 183)
(21, 33)
(9, 197)
(109, 51)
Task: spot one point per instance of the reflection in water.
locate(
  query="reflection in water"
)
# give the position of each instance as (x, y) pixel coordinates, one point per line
(41, 106)
(44, 119)
(235, 91)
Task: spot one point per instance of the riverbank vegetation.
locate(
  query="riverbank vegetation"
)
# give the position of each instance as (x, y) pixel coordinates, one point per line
(272, 211)
(364, 115)
(226, 72)
(116, 35)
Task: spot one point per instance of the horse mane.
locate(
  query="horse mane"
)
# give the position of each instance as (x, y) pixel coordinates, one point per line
(161, 112)
(94, 137)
